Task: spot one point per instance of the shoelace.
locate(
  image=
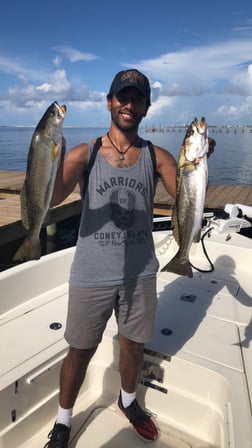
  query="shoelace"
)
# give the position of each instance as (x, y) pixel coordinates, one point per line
(135, 413)
(52, 438)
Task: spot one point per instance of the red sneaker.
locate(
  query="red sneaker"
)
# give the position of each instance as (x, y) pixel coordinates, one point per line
(140, 420)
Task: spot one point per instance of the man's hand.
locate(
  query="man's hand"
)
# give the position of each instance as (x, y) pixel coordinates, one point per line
(211, 146)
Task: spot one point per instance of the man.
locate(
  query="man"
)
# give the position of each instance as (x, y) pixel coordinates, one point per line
(115, 265)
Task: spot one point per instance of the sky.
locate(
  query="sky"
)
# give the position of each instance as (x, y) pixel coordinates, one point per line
(196, 54)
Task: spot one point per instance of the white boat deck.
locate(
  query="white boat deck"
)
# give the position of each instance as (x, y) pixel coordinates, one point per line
(197, 376)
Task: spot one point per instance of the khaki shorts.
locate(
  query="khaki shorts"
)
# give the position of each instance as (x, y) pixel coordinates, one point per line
(89, 309)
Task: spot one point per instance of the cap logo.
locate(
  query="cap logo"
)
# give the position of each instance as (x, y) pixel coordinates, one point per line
(133, 77)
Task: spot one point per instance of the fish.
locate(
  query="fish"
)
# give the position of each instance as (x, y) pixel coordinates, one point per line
(42, 164)
(191, 186)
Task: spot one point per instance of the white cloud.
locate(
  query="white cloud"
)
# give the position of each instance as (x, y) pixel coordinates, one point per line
(57, 86)
(57, 61)
(60, 83)
(228, 111)
(22, 69)
(160, 108)
(44, 87)
(202, 66)
(213, 80)
(238, 112)
(74, 55)
(241, 84)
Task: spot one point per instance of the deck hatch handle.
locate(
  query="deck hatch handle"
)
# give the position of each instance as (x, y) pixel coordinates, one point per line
(45, 368)
(154, 386)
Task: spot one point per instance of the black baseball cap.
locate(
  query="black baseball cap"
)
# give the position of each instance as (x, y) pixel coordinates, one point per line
(131, 78)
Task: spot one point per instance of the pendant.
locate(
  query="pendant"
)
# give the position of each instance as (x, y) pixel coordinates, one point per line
(121, 157)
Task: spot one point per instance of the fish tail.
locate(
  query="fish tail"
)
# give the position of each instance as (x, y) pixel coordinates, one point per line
(179, 268)
(29, 250)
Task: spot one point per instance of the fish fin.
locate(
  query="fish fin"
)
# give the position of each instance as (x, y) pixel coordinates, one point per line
(177, 267)
(29, 250)
(54, 150)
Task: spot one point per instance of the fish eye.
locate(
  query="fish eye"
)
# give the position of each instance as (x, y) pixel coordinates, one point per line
(189, 132)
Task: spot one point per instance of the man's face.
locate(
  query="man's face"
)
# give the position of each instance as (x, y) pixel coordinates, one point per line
(127, 108)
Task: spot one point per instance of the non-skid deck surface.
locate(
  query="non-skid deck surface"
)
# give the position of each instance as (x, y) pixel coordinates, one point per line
(105, 428)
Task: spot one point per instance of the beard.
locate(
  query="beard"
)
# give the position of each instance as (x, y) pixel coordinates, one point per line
(126, 126)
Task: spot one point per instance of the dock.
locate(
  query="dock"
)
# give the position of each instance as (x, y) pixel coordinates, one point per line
(11, 227)
(217, 196)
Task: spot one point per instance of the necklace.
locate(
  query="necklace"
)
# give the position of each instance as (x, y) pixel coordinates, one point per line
(121, 157)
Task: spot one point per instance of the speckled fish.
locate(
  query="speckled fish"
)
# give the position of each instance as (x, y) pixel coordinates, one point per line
(42, 164)
(192, 178)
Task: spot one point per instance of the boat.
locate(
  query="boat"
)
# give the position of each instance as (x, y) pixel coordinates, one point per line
(196, 376)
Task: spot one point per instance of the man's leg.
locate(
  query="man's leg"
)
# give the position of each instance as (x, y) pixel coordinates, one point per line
(72, 375)
(130, 362)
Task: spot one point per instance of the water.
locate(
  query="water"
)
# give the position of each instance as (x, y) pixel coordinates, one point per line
(231, 163)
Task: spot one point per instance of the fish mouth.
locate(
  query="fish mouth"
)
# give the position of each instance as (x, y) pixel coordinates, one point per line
(202, 123)
(61, 109)
(195, 143)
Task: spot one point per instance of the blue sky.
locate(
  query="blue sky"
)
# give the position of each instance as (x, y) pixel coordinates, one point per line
(197, 55)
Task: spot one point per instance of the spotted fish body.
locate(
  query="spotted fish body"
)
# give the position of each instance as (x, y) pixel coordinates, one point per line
(192, 178)
(42, 164)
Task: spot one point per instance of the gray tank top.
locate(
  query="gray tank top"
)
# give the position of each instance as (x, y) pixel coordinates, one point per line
(115, 243)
